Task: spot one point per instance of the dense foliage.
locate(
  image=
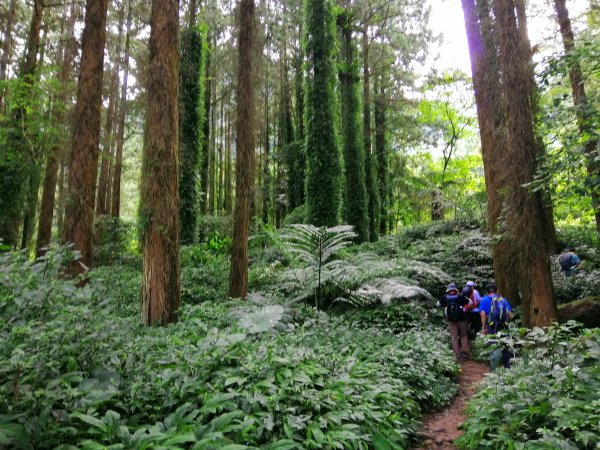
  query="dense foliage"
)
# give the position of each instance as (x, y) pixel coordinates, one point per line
(81, 370)
(549, 399)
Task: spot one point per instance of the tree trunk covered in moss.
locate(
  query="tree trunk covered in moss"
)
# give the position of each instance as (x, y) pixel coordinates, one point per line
(584, 111)
(492, 127)
(159, 205)
(117, 166)
(191, 107)
(205, 157)
(79, 213)
(245, 143)
(15, 170)
(323, 165)
(381, 150)
(374, 202)
(355, 202)
(524, 210)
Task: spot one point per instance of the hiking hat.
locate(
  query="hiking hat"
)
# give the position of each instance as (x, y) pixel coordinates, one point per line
(471, 283)
(451, 287)
(491, 287)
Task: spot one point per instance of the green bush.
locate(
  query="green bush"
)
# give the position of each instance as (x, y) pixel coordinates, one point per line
(549, 399)
(84, 373)
(115, 240)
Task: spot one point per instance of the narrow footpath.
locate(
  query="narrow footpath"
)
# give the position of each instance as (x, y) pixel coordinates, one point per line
(440, 428)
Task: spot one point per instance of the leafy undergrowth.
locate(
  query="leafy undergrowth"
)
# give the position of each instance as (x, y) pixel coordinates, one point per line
(79, 371)
(549, 399)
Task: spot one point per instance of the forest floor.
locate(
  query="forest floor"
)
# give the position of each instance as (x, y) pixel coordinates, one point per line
(440, 428)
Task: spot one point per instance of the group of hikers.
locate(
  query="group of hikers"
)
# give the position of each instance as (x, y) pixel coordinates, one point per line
(469, 313)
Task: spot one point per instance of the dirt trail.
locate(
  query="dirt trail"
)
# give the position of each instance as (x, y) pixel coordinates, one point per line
(440, 429)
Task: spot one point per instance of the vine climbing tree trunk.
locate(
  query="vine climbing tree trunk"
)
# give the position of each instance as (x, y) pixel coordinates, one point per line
(583, 110)
(159, 205)
(245, 141)
(79, 213)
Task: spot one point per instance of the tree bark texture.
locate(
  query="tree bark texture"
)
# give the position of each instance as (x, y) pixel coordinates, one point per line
(79, 212)
(159, 208)
(491, 117)
(52, 164)
(205, 161)
(583, 110)
(245, 142)
(115, 190)
(524, 210)
(7, 46)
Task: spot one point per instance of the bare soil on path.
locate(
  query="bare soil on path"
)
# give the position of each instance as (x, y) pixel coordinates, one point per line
(440, 428)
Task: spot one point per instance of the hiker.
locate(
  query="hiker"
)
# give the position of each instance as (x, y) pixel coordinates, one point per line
(473, 318)
(455, 303)
(495, 312)
(569, 262)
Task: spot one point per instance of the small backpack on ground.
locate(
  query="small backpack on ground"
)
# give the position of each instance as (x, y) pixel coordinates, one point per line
(454, 310)
(498, 312)
(565, 261)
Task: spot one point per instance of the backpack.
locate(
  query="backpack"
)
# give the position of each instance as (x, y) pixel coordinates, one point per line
(565, 261)
(454, 310)
(498, 312)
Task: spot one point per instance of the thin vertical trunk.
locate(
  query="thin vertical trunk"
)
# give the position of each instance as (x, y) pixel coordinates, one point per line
(205, 161)
(524, 210)
(103, 201)
(381, 150)
(7, 46)
(159, 205)
(266, 177)
(238, 278)
(228, 181)
(370, 161)
(69, 51)
(79, 214)
(115, 210)
(211, 158)
(583, 110)
(220, 190)
(192, 14)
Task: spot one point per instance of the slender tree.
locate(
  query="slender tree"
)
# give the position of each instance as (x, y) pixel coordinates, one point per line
(115, 191)
(79, 213)
(523, 209)
(370, 159)
(7, 45)
(381, 150)
(159, 205)
(584, 111)
(356, 202)
(53, 161)
(323, 168)
(205, 157)
(238, 277)
(191, 104)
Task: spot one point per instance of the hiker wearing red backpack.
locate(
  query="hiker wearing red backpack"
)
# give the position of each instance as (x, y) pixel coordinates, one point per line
(494, 310)
(455, 304)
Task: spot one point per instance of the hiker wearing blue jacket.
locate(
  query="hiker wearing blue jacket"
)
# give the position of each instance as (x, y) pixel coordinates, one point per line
(495, 311)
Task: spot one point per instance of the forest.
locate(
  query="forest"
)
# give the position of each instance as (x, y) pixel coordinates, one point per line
(227, 224)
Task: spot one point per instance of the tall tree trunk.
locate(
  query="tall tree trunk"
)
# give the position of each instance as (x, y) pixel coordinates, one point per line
(524, 210)
(103, 199)
(161, 286)
(370, 160)
(228, 171)
(381, 150)
(266, 178)
(79, 213)
(238, 277)
(7, 46)
(356, 201)
(205, 160)
(323, 158)
(15, 171)
(491, 116)
(118, 162)
(583, 110)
